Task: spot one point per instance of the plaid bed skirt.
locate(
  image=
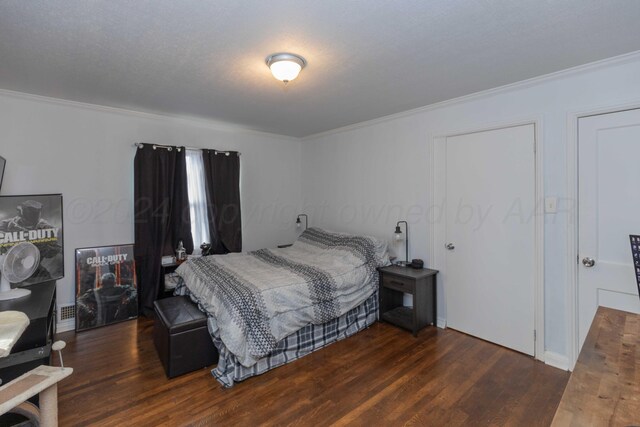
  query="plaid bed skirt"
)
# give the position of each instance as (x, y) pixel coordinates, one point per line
(304, 341)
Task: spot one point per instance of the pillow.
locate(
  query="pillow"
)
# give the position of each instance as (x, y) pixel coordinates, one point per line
(368, 248)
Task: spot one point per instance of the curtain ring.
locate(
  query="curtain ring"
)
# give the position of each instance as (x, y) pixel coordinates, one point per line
(169, 148)
(154, 147)
(179, 149)
(140, 146)
(228, 154)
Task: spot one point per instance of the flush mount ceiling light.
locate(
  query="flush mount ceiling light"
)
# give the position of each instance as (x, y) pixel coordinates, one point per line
(285, 66)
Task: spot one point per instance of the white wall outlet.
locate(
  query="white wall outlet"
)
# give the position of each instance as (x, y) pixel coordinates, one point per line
(550, 205)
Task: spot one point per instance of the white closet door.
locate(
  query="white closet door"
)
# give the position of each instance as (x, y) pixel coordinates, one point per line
(490, 193)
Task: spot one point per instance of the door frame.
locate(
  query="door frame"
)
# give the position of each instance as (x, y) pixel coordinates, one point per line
(437, 226)
(573, 117)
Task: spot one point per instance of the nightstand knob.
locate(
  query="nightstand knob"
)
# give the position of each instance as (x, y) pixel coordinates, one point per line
(450, 246)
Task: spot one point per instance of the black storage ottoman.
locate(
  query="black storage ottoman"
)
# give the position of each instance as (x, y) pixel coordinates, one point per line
(181, 337)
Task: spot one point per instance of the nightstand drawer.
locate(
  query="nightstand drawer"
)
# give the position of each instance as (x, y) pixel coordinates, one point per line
(402, 284)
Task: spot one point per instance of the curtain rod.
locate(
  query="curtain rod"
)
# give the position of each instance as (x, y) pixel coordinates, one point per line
(170, 147)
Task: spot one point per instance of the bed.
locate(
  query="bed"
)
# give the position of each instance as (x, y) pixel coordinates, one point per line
(269, 307)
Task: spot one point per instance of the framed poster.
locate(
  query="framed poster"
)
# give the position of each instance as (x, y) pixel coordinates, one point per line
(106, 286)
(3, 162)
(31, 230)
(635, 253)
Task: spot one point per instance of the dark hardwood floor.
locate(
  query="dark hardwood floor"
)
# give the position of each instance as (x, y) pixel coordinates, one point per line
(381, 376)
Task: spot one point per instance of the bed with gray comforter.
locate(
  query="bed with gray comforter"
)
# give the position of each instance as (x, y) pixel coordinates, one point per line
(271, 306)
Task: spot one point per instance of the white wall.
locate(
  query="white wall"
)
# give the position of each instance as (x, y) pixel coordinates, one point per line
(361, 179)
(86, 153)
(366, 177)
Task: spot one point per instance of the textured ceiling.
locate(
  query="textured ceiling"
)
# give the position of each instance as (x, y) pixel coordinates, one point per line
(367, 58)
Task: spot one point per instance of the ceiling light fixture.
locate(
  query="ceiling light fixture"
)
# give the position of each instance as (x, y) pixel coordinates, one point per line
(285, 66)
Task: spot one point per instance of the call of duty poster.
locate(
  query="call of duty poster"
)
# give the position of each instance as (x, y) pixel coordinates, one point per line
(32, 225)
(106, 286)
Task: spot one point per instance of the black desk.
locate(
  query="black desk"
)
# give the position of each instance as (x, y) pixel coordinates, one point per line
(34, 346)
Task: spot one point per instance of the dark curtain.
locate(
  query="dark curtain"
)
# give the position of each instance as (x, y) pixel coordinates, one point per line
(161, 206)
(222, 179)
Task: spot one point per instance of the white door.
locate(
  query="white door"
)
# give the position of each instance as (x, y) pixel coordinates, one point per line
(490, 263)
(609, 210)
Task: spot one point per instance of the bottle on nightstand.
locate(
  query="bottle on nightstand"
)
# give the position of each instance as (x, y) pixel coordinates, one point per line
(181, 253)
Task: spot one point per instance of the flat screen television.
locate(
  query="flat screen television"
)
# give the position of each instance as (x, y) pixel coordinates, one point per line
(2, 163)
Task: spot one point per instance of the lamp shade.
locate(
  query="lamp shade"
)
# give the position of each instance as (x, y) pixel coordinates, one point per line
(399, 236)
(285, 66)
(306, 221)
(398, 233)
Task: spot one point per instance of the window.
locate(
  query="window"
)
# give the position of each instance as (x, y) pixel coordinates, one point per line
(197, 199)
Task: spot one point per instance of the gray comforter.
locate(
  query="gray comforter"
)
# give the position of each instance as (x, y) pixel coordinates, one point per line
(256, 299)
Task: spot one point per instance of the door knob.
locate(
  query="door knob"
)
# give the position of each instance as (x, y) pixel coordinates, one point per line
(588, 262)
(450, 246)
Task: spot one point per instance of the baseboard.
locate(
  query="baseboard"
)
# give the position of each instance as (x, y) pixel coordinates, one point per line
(441, 322)
(556, 360)
(66, 325)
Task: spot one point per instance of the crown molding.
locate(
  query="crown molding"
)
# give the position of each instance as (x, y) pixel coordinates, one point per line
(188, 120)
(579, 69)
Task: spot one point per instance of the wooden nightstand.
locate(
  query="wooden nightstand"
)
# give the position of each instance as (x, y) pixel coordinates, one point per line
(421, 284)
